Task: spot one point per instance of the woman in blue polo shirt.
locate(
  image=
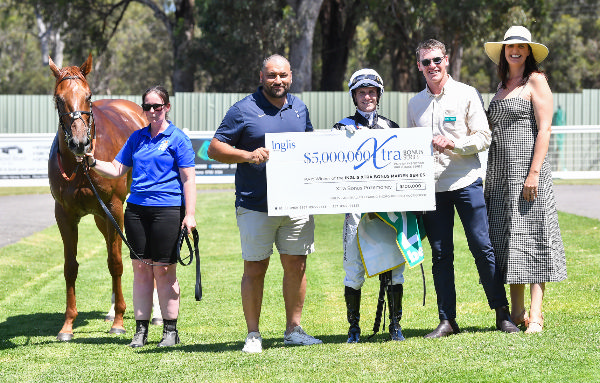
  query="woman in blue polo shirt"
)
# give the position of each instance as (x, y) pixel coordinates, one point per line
(162, 201)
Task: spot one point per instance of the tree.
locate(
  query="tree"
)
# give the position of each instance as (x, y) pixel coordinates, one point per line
(237, 35)
(139, 55)
(21, 70)
(457, 23)
(306, 13)
(180, 27)
(218, 45)
(90, 25)
(565, 42)
(49, 36)
(338, 20)
(571, 30)
(403, 22)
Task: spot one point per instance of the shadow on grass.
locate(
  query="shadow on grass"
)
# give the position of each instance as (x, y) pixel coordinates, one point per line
(49, 324)
(277, 342)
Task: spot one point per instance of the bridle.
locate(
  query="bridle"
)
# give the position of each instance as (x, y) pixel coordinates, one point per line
(68, 132)
(76, 115)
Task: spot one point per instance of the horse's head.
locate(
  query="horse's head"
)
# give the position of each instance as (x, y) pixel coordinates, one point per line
(73, 99)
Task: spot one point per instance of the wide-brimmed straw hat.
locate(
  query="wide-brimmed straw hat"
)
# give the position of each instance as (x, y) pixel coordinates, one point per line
(516, 35)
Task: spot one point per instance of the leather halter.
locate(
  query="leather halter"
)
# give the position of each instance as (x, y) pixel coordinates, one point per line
(75, 115)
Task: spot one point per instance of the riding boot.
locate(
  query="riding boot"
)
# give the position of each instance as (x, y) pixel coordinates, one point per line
(394, 293)
(141, 334)
(353, 310)
(170, 335)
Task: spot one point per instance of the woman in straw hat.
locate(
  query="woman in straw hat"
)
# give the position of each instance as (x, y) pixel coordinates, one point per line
(518, 189)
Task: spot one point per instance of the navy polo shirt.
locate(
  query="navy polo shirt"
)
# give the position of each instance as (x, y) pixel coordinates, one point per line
(155, 164)
(244, 127)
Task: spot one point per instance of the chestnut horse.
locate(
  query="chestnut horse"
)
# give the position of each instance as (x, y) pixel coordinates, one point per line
(101, 127)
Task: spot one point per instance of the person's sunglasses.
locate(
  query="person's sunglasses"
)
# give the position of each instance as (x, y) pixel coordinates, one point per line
(156, 107)
(436, 61)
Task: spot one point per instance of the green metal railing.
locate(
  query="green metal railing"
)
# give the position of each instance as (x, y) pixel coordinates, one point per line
(204, 111)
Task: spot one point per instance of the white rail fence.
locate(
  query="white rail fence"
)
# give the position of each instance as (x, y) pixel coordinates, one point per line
(574, 153)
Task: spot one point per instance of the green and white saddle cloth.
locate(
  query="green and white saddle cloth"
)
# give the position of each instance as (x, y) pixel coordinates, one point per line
(388, 240)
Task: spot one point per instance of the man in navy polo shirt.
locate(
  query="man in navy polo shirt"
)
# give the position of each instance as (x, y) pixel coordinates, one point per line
(241, 139)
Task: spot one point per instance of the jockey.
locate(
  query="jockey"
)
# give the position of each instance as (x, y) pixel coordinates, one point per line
(366, 89)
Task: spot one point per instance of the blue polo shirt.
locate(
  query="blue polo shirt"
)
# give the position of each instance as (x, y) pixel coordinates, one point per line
(244, 127)
(155, 164)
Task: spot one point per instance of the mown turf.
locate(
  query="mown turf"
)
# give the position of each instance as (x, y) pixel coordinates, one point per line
(32, 302)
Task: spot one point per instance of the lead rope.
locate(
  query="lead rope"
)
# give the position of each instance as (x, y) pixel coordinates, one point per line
(196, 251)
(424, 288)
(182, 235)
(114, 222)
(112, 219)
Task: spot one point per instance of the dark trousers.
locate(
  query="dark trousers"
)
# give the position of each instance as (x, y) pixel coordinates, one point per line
(439, 226)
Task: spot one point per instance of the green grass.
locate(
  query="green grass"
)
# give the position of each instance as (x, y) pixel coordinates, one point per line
(45, 189)
(576, 182)
(32, 301)
(18, 190)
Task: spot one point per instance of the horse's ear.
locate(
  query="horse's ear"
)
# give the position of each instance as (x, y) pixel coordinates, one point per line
(55, 70)
(86, 67)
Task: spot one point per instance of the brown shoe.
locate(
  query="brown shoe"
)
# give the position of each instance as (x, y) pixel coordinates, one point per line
(445, 328)
(503, 321)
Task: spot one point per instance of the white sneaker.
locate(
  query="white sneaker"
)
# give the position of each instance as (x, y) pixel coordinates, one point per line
(253, 343)
(298, 337)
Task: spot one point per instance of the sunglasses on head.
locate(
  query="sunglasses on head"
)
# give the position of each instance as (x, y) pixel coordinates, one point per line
(436, 61)
(362, 77)
(156, 107)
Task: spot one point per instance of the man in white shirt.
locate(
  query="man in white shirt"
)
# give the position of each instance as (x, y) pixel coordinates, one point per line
(455, 113)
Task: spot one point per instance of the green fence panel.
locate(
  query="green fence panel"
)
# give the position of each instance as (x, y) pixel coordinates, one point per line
(204, 111)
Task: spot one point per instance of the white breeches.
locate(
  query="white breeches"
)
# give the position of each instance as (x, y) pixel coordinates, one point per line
(353, 265)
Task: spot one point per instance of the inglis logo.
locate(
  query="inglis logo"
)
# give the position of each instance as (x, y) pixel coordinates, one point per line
(283, 146)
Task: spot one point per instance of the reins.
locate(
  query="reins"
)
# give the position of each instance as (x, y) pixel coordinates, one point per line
(183, 234)
(195, 251)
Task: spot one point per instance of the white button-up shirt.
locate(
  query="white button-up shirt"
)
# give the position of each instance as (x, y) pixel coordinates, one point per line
(457, 113)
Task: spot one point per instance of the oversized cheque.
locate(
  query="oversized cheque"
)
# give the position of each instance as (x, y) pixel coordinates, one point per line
(330, 172)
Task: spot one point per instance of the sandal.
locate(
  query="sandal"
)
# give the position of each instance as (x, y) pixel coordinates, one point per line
(521, 319)
(535, 326)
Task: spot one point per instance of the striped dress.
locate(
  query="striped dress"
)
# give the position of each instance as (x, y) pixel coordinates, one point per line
(525, 235)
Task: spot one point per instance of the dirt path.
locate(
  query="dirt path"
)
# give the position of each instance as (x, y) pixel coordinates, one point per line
(23, 215)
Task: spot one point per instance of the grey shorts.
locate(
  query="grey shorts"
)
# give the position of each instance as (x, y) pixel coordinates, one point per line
(258, 231)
